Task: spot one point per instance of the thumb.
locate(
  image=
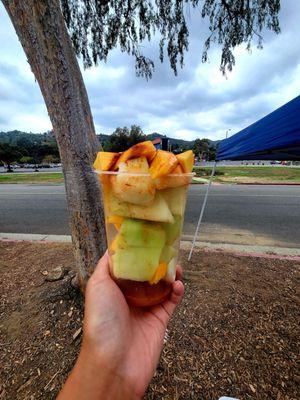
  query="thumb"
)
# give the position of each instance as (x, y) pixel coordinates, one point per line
(101, 271)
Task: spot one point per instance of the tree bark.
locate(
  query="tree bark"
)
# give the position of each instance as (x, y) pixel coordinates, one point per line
(41, 29)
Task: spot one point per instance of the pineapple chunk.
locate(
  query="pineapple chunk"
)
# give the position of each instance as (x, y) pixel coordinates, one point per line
(114, 206)
(133, 188)
(163, 163)
(143, 149)
(186, 160)
(158, 211)
(105, 160)
(136, 166)
(159, 273)
(176, 199)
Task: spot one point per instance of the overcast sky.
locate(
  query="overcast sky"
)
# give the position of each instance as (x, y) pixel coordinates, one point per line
(199, 102)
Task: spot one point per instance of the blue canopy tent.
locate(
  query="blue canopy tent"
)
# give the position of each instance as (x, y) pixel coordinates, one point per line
(274, 137)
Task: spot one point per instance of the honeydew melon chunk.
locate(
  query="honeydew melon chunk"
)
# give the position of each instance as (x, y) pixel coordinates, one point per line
(167, 253)
(135, 263)
(176, 199)
(173, 230)
(158, 211)
(141, 234)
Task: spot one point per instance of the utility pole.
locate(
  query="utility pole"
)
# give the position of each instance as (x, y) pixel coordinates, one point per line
(228, 130)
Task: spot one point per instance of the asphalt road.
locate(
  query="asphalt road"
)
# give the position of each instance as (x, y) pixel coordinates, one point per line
(266, 215)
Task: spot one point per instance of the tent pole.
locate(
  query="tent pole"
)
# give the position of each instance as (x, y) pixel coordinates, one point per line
(202, 209)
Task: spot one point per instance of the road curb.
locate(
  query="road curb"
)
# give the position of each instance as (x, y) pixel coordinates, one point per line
(283, 253)
(28, 237)
(268, 252)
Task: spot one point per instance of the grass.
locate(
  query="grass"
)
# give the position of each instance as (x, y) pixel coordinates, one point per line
(251, 174)
(35, 177)
(227, 174)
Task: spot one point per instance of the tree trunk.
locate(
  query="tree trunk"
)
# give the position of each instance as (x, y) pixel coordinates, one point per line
(9, 168)
(42, 32)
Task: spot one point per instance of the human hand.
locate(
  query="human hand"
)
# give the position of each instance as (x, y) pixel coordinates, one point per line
(121, 344)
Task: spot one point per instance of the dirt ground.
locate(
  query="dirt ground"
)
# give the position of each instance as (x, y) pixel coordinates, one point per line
(236, 332)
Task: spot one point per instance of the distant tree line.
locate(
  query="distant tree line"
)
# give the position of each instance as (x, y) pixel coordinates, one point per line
(26, 151)
(204, 149)
(26, 148)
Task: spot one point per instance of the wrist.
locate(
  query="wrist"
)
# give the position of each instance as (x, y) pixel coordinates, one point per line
(94, 379)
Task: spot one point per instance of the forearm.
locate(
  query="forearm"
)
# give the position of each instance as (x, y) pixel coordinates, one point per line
(91, 380)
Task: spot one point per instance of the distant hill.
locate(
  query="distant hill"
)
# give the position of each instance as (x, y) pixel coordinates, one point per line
(14, 137)
(180, 142)
(18, 138)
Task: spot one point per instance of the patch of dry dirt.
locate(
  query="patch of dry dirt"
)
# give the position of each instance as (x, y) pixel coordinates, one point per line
(235, 334)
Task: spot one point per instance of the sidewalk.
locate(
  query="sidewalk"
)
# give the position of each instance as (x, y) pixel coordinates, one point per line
(286, 253)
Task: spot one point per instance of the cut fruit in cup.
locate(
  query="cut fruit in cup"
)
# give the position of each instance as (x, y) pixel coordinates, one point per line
(144, 196)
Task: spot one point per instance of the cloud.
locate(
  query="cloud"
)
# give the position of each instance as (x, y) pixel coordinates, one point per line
(199, 102)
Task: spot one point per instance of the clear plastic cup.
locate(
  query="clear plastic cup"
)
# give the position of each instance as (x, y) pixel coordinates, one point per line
(144, 219)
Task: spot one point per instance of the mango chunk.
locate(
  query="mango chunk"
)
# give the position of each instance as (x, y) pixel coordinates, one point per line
(186, 160)
(159, 273)
(143, 149)
(114, 245)
(163, 163)
(117, 220)
(172, 181)
(105, 160)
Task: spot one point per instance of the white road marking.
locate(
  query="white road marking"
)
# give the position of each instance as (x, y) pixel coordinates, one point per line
(245, 195)
(31, 194)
